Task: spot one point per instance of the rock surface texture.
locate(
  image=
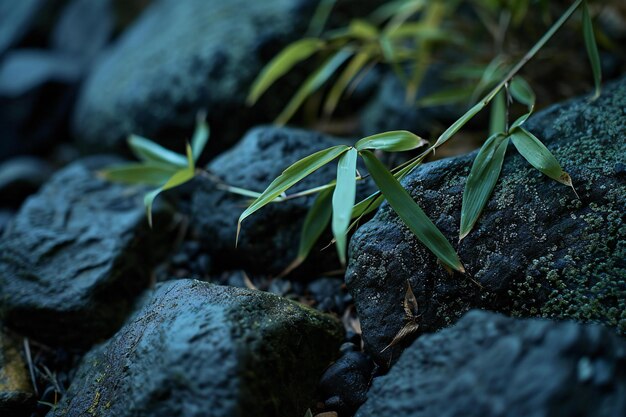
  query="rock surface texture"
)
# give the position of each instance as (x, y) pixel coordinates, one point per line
(489, 365)
(269, 238)
(536, 250)
(197, 349)
(76, 255)
(182, 56)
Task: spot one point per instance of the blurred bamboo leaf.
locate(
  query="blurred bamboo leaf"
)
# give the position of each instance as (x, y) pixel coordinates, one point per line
(200, 137)
(522, 92)
(444, 97)
(482, 180)
(361, 29)
(592, 50)
(352, 69)
(149, 151)
(539, 156)
(282, 63)
(292, 175)
(343, 200)
(139, 173)
(320, 17)
(411, 213)
(497, 118)
(314, 82)
(393, 141)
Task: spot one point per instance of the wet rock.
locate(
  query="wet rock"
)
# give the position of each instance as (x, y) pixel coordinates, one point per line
(180, 57)
(20, 177)
(269, 239)
(330, 294)
(16, 394)
(345, 383)
(536, 250)
(490, 365)
(76, 254)
(195, 346)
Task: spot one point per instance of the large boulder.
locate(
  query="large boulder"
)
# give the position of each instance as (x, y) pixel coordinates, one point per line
(488, 365)
(75, 256)
(268, 241)
(198, 349)
(537, 250)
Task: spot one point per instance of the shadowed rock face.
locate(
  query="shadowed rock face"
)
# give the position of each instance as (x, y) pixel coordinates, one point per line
(490, 365)
(76, 255)
(197, 349)
(180, 57)
(536, 250)
(269, 238)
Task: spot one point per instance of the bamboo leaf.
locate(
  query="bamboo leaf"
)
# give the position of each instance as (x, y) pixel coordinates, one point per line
(313, 83)
(482, 180)
(362, 29)
(281, 64)
(411, 213)
(292, 175)
(394, 141)
(456, 126)
(448, 96)
(352, 69)
(522, 92)
(592, 50)
(149, 151)
(138, 173)
(180, 177)
(200, 138)
(497, 118)
(539, 156)
(320, 17)
(343, 200)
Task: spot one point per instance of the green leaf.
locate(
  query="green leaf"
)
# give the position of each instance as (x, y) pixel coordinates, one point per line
(200, 138)
(394, 141)
(482, 180)
(320, 17)
(313, 83)
(315, 222)
(539, 156)
(592, 50)
(292, 175)
(281, 64)
(175, 180)
(352, 69)
(343, 200)
(411, 213)
(149, 151)
(522, 92)
(456, 126)
(361, 29)
(448, 96)
(139, 173)
(497, 119)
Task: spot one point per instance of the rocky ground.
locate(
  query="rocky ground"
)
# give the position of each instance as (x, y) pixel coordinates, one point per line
(102, 315)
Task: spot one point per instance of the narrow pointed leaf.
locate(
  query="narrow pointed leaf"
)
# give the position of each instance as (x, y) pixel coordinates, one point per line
(456, 126)
(343, 200)
(139, 173)
(313, 83)
(293, 175)
(411, 213)
(175, 180)
(320, 17)
(150, 151)
(362, 29)
(522, 92)
(394, 141)
(367, 205)
(497, 118)
(352, 69)
(592, 50)
(444, 97)
(482, 180)
(539, 156)
(199, 139)
(282, 63)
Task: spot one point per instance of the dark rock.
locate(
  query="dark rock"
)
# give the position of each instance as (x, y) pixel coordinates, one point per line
(196, 348)
(269, 239)
(180, 57)
(75, 256)
(490, 365)
(84, 28)
(345, 383)
(5, 218)
(20, 177)
(329, 293)
(536, 250)
(16, 17)
(16, 394)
